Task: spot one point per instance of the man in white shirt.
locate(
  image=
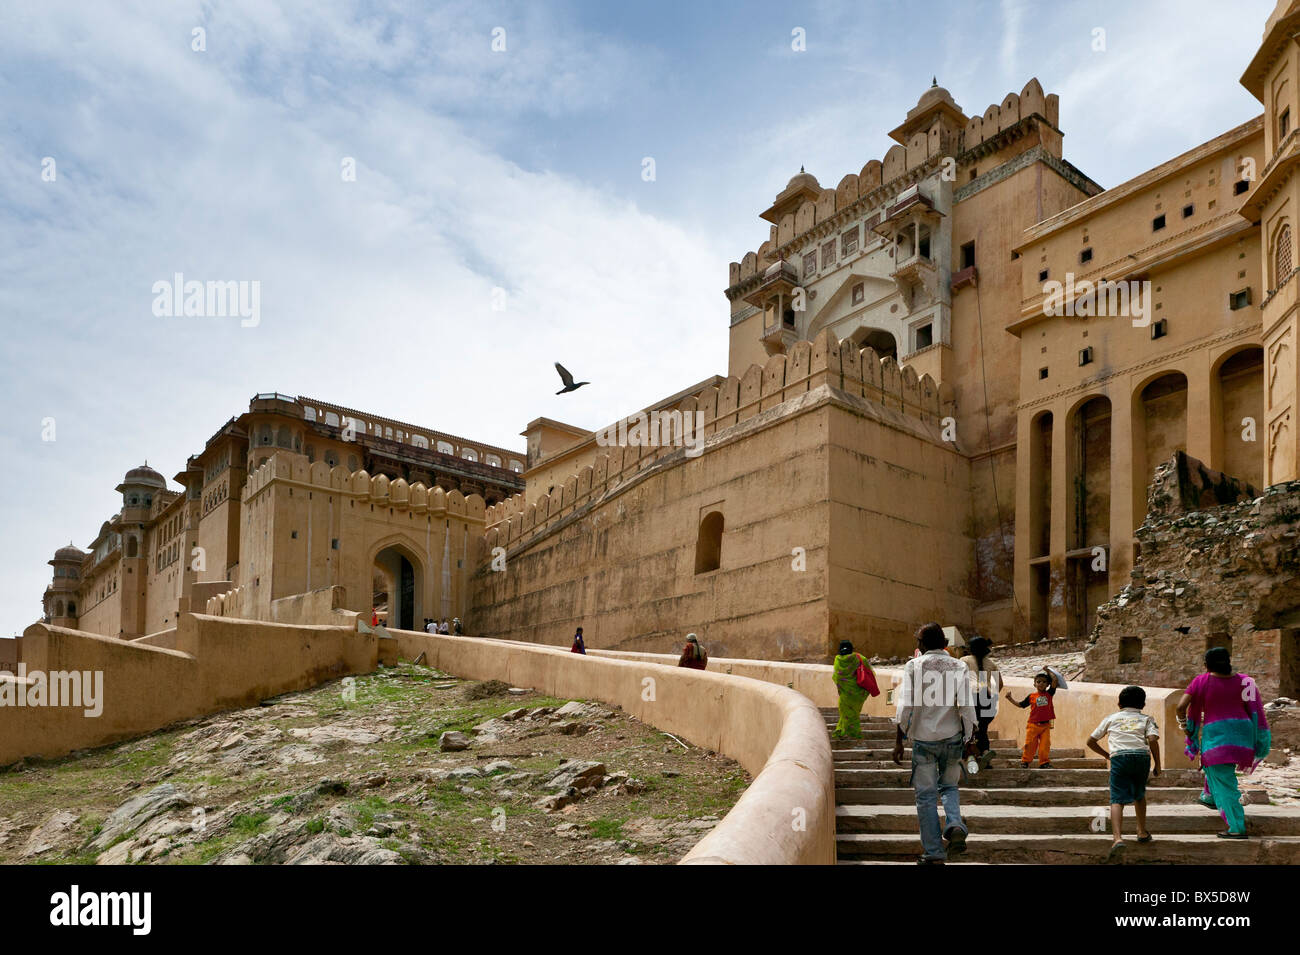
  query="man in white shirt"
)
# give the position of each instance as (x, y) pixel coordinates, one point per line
(936, 711)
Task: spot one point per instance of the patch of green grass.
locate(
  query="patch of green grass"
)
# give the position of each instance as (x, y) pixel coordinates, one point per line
(315, 827)
(365, 810)
(607, 827)
(249, 824)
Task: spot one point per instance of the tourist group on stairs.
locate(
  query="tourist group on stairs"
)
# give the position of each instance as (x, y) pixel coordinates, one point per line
(944, 706)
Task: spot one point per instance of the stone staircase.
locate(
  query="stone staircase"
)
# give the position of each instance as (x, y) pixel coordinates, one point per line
(1038, 815)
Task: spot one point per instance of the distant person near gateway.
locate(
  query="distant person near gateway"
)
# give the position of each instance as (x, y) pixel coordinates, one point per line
(579, 645)
(693, 655)
(936, 712)
(430, 626)
(456, 627)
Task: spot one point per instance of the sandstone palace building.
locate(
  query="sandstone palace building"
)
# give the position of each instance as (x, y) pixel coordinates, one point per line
(166, 551)
(952, 375)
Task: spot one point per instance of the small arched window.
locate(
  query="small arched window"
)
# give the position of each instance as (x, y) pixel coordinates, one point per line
(469, 454)
(132, 547)
(1282, 255)
(708, 547)
(58, 608)
(72, 609)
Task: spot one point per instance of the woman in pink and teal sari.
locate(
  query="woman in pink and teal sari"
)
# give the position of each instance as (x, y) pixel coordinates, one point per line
(1226, 727)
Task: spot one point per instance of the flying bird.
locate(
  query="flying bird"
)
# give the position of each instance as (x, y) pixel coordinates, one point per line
(568, 380)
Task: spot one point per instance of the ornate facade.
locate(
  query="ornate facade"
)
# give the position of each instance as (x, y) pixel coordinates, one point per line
(168, 551)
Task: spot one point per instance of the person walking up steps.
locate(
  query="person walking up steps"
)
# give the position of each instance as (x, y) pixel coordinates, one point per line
(855, 681)
(1226, 727)
(936, 712)
(1038, 733)
(988, 683)
(1134, 753)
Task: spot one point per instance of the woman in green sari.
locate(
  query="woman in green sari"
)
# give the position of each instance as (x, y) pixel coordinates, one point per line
(852, 696)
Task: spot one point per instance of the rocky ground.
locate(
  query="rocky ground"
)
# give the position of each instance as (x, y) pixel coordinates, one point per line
(405, 765)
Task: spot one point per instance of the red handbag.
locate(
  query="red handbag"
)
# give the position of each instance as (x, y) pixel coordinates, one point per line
(866, 679)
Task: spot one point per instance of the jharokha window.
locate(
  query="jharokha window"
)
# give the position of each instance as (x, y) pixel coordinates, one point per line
(1282, 256)
(849, 242)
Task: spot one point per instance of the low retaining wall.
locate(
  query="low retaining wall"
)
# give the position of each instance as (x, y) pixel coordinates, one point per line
(1078, 709)
(216, 664)
(785, 817)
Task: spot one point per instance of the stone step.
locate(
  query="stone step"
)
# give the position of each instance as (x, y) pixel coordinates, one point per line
(887, 762)
(1020, 796)
(832, 715)
(1008, 746)
(1005, 777)
(1003, 757)
(1176, 819)
(1081, 848)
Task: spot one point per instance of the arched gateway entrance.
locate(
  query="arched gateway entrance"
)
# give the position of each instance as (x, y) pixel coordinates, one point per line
(402, 577)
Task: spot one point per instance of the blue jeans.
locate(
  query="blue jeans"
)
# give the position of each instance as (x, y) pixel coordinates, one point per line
(936, 768)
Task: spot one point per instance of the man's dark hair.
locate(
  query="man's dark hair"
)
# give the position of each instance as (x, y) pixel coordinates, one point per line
(1133, 696)
(931, 637)
(1218, 660)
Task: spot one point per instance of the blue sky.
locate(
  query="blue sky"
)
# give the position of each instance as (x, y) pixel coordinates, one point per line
(476, 170)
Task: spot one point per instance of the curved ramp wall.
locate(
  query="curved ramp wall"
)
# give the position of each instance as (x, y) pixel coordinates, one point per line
(785, 817)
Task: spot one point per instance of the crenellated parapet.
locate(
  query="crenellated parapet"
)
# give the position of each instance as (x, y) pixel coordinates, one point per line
(920, 150)
(999, 117)
(826, 360)
(286, 466)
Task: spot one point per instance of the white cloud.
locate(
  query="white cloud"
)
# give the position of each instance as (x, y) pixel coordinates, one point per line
(375, 293)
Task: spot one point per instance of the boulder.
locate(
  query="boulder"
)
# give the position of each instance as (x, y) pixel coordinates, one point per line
(327, 848)
(576, 774)
(453, 741)
(137, 811)
(56, 829)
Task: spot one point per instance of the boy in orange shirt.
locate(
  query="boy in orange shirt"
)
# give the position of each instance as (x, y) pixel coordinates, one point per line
(1038, 733)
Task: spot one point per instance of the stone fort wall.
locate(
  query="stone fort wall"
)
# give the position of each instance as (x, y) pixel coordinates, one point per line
(307, 527)
(862, 492)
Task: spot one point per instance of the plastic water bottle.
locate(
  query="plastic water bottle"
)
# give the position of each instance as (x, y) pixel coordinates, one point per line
(972, 765)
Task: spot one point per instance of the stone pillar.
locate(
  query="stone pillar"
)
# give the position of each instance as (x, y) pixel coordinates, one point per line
(1057, 609)
(1123, 471)
(1023, 579)
(1281, 439)
(1204, 421)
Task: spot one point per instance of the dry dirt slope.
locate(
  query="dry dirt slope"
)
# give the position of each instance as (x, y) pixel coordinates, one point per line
(352, 772)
